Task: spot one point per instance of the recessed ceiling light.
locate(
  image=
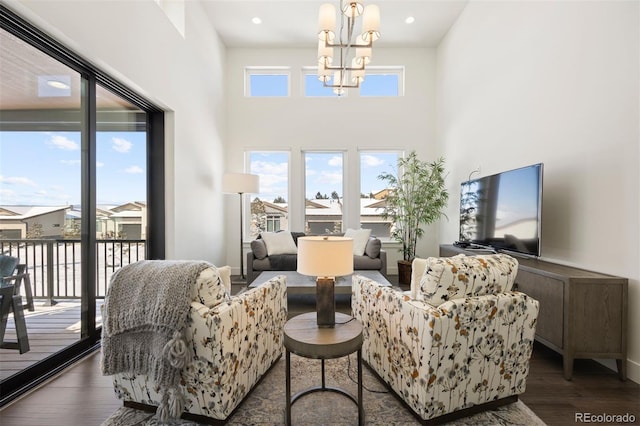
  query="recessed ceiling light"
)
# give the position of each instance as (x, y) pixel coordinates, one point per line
(410, 20)
(57, 84)
(256, 20)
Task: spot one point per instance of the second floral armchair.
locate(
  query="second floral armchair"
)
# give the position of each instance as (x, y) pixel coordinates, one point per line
(459, 339)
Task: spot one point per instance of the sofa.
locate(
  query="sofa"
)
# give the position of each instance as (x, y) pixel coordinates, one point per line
(278, 252)
(232, 341)
(458, 342)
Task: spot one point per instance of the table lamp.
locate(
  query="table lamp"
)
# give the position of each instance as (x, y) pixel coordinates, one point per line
(325, 257)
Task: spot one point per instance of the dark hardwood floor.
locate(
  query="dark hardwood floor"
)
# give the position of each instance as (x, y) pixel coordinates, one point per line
(82, 396)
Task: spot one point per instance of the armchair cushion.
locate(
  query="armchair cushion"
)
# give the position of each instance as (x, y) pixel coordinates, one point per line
(210, 288)
(458, 277)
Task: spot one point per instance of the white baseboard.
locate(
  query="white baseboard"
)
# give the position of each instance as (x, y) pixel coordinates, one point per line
(633, 368)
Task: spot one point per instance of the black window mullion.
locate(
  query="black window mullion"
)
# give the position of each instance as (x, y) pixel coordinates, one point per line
(88, 205)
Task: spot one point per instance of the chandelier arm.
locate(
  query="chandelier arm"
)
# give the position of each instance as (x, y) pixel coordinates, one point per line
(341, 86)
(361, 68)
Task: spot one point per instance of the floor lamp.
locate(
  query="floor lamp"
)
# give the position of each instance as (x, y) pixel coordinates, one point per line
(240, 183)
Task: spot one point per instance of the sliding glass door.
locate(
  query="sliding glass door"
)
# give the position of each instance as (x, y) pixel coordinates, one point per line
(78, 193)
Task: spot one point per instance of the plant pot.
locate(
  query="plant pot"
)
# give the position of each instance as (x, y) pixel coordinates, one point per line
(404, 272)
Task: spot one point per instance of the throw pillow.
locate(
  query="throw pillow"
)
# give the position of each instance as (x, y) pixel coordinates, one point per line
(210, 289)
(279, 243)
(447, 278)
(259, 249)
(360, 239)
(374, 245)
(225, 276)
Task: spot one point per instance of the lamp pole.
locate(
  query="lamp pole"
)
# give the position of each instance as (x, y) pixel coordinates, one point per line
(240, 183)
(241, 239)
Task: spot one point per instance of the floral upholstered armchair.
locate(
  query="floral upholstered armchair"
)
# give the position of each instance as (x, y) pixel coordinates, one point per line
(232, 342)
(458, 339)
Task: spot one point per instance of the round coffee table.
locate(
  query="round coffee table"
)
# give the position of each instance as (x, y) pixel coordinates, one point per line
(303, 337)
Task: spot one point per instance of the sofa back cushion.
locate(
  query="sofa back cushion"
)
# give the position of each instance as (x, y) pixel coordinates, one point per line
(213, 286)
(259, 248)
(279, 243)
(360, 239)
(448, 278)
(373, 247)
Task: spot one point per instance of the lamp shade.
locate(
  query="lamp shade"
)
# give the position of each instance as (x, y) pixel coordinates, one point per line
(240, 183)
(325, 256)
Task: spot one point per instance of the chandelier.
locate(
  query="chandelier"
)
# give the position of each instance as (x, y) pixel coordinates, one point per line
(344, 52)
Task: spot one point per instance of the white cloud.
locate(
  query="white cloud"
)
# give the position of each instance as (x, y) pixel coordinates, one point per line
(99, 164)
(7, 194)
(133, 170)
(17, 180)
(335, 161)
(329, 178)
(64, 143)
(267, 168)
(70, 162)
(371, 161)
(121, 145)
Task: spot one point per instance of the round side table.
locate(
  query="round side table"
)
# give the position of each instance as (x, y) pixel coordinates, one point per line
(303, 337)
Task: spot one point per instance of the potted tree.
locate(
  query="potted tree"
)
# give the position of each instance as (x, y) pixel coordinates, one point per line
(417, 197)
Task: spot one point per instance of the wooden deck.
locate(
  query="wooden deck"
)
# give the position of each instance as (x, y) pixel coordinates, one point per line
(50, 329)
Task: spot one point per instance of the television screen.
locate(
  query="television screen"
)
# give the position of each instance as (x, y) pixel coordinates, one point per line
(503, 211)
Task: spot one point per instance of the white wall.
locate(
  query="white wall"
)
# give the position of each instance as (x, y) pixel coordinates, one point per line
(553, 82)
(135, 42)
(349, 123)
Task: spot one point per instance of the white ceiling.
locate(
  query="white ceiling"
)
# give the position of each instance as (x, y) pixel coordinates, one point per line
(294, 23)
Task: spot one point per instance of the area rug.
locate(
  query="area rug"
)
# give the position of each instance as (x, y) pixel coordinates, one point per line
(265, 405)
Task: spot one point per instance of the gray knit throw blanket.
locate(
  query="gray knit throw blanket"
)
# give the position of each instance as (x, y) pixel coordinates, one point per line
(144, 315)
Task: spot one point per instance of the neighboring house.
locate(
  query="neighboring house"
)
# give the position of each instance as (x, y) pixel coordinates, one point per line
(268, 216)
(127, 221)
(18, 222)
(321, 216)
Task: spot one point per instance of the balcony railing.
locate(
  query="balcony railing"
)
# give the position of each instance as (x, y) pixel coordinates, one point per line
(55, 264)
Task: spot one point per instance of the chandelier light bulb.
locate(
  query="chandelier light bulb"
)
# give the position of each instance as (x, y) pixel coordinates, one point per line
(371, 23)
(352, 9)
(326, 22)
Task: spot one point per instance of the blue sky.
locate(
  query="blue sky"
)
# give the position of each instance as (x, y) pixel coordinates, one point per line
(324, 172)
(43, 168)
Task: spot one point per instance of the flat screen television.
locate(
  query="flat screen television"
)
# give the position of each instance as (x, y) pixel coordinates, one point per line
(503, 211)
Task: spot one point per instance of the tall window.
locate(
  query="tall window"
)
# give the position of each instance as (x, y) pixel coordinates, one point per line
(323, 192)
(269, 208)
(373, 191)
